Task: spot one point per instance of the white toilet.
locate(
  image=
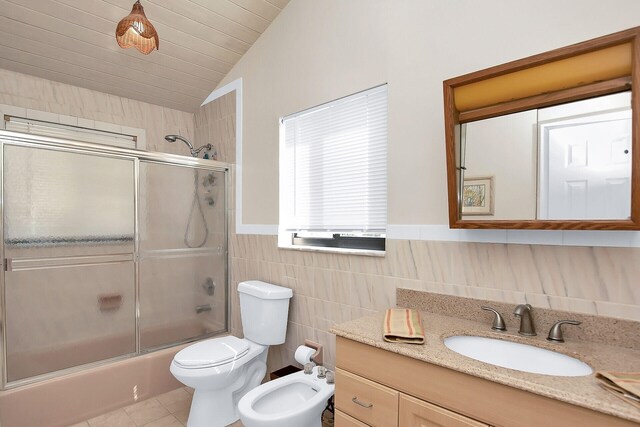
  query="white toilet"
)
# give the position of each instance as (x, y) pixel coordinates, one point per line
(296, 400)
(222, 370)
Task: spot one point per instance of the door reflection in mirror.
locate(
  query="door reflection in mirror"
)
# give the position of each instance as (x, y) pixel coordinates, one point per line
(565, 162)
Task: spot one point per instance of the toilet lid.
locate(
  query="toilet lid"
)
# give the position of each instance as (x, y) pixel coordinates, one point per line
(213, 352)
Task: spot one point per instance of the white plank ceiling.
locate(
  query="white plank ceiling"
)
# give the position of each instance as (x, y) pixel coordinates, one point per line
(73, 41)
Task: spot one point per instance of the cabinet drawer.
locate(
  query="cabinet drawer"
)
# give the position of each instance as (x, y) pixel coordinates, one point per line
(341, 419)
(365, 400)
(417, 413)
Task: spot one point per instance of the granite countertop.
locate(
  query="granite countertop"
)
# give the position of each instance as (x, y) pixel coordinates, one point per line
(583, 391)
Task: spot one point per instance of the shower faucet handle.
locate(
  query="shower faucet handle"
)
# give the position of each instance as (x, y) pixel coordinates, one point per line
(209, 179)
(209, 286)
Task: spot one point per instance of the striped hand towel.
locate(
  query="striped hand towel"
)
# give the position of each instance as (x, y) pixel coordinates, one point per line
(403, 325)
(625, 385)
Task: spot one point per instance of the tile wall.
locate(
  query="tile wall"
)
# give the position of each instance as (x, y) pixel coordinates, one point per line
(24, 91)
(332, 288)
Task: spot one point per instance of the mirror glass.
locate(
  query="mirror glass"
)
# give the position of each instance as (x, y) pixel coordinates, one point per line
(547, 142)
(565, 162)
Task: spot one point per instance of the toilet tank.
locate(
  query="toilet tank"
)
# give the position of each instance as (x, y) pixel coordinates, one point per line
(264, 309)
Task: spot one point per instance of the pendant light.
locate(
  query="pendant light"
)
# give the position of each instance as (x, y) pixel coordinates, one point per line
(136, 30)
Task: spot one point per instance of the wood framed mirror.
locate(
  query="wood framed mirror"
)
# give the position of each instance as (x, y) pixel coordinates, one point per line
(549, 141)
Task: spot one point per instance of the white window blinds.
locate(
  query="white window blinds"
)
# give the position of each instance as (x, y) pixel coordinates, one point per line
(333, 166)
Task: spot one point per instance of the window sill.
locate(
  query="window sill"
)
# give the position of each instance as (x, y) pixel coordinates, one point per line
(365, 252)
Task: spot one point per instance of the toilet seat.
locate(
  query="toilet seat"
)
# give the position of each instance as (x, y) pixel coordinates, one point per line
(211, 353)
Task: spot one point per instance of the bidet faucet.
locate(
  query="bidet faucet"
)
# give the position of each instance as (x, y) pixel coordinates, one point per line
(523, 311)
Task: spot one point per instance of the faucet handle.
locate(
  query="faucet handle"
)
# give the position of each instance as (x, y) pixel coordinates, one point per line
(555, 333)
(322, 372)
(498, 321)
(331, 377)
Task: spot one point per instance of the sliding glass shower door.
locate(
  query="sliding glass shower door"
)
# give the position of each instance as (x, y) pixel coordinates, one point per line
(182, 253)
(108, 253)
(69, 250)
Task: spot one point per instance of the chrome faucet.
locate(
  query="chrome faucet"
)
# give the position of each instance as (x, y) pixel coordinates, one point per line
(523, 311)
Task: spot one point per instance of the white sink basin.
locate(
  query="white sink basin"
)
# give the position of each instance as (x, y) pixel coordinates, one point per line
(521, 357)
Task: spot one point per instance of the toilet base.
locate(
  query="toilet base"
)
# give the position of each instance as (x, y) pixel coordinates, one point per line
(212, 408)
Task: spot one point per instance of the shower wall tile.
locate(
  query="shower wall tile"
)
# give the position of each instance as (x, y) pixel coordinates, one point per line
(28, 92)
(215, 124)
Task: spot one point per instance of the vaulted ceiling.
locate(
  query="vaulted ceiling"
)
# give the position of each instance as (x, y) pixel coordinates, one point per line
(73, 41)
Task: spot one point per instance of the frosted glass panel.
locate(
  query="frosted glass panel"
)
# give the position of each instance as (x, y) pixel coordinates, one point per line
(63, 317)
(181, 298)
(181, 208)
(78, 287)
(61, 203)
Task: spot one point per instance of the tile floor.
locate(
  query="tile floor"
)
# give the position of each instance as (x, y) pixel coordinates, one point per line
(166, 410)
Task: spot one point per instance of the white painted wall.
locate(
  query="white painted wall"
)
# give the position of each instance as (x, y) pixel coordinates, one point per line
(505, 148)
(316, 51)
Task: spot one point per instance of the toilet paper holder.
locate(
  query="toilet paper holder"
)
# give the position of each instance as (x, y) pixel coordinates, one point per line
(316, 357)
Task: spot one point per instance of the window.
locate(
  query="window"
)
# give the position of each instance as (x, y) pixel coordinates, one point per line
(63, 131)
(333, 174)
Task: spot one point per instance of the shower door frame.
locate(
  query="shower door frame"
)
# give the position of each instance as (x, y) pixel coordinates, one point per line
(33, 141)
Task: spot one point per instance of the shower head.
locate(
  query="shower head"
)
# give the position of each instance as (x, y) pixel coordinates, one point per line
(173, 138)
(194, 151)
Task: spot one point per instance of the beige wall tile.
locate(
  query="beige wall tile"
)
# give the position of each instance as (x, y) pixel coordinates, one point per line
(55, 98)
(586, 280)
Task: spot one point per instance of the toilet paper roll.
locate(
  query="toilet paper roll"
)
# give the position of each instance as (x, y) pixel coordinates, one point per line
(303, 354)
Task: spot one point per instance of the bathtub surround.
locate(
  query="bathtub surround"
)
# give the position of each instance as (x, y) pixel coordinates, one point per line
(27, 92)
(69, 399)
(60, 102)
(215, 123)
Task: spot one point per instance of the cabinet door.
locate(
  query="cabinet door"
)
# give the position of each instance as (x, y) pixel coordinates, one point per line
(369, 402)
(418, 413)
(343, 420)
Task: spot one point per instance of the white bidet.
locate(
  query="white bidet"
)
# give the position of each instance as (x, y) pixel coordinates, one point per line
(296, 400)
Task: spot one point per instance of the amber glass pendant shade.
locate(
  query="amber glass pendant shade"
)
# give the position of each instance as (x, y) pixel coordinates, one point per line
(135, 30)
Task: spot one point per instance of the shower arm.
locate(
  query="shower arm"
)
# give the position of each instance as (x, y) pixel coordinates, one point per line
(196, 151)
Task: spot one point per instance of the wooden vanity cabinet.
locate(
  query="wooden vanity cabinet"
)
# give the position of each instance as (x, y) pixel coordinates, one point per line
(418, 413)
(361, 402)
(368, 401)
(406, 392)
